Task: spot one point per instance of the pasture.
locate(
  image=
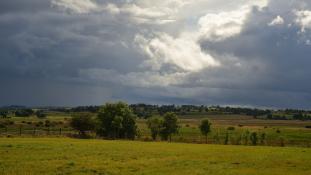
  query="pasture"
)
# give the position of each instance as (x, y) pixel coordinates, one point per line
(277, 132)
(22, 156)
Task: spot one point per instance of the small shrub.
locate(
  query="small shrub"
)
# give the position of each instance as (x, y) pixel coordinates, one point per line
(29, 123)
(262, 138)
(231, 128)
(254, 138)
(240, 125)
(278, 131)
(187, 125)
(2, 125)
(47, 123)
(308, 127)
(41, 114)
(83, 124)
(245, 137)
(282, 141)
(226, 139)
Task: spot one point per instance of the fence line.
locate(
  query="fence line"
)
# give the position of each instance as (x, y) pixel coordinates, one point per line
(186, 138)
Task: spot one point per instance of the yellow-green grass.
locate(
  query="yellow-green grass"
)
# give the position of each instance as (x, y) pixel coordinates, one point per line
(292, 133)
(22, 156)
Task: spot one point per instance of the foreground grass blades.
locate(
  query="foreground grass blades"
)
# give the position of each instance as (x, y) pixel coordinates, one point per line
(72, 156)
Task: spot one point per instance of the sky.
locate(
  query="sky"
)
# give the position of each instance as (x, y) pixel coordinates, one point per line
(254, 53)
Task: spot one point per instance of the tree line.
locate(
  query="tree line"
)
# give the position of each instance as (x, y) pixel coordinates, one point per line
(147, 111)
(117, 121)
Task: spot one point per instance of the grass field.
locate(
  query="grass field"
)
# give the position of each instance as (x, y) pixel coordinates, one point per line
(291, 132)
(22, 156)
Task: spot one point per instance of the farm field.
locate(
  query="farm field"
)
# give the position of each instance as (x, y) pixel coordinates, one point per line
(73, 156)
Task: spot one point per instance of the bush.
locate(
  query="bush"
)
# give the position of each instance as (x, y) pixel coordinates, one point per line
(47, 123)
(226, 142)
(2, 125)
(40, 114)
(231, 128)
(309, 127)
(3, 114)
(282, 141)
(254, 138)
(82, 123)
(24, 113)
(262, 138)
(278, 131)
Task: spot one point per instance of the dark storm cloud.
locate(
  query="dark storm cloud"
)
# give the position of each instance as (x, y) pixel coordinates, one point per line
(64, 52)
(282, 77)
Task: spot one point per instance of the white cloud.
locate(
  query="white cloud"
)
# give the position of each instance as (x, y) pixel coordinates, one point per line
(303, 19)
(182, 52)
(219, 26)
(276, 21)
(143, 14)
(76, 6)
(112, 9)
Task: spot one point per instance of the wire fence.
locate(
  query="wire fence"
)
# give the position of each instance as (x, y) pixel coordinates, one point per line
(145, 136)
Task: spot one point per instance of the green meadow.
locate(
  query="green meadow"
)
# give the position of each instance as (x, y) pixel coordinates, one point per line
(291, 132)
(22, 156)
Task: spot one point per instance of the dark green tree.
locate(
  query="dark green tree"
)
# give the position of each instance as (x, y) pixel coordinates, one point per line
(3, 113)
(40, 114)
(170, 126)
(24, 113)
(205, 128)
(82, 123)
(155, 124)
(116, 120)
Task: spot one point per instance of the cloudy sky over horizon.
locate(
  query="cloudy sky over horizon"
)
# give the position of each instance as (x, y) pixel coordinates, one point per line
(213, 52)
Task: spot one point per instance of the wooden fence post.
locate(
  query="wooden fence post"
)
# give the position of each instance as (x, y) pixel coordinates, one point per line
(60, 131)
